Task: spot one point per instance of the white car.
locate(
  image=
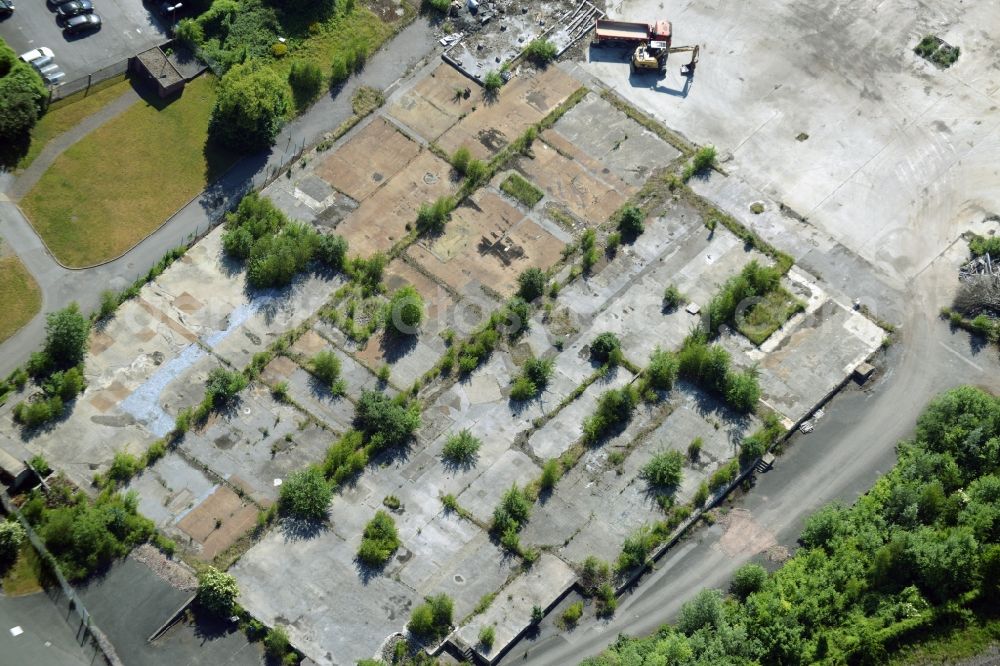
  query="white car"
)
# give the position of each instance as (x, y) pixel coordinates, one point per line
(34, 54)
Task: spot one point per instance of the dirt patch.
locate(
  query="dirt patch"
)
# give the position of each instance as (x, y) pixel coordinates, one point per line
(523, 101)
(382, 219)
(743, 536)
(218, 522)
(367, 161)
(436, 103)
(567, 181)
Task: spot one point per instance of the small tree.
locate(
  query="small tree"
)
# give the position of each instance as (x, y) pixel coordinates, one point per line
(461, 448)
(531, 283)
(306, 79)
(66, 334)
(665, 469)
(217, 591)
(250, 107)
(306, 495)
(542, 51)
(406, 311)
(662, 370)
(460, 160)
(433, 618)
(223, 385)
(11, 537)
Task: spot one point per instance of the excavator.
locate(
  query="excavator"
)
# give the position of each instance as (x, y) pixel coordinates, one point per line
(653, 56)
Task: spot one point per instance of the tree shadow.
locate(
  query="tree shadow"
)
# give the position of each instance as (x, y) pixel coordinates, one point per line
(395, 345)
(208, 626)
(368, 572)
(300, 529)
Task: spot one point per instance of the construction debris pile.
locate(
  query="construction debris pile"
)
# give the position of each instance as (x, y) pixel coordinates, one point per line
(979, 292)
(486, 36)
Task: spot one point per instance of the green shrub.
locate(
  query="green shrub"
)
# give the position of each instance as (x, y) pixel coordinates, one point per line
(432, 619)
(476, 172)
(606, 348)
(531, 283)
(384, 422)
(512, 512)
(743, 390)
(66, 333)
(406, 311)
(123, 467)
(250, 107)
(723, 476)
(305, 495)
(217, 591)
(607, 600)
(325, 366)
(189, 32)
(331, 250)
(662, 369)
(340, 70)
(980, 245)
(541, 51)
(700, 495)
(40, 465)
(379, 541)
(523, 389)
(636, 548)
(432, 218)
(487, 635)
(631, 221)
(461, 448)
(551, 472)
(109, 303)
(672, 297)
(614, 407)
(492, 82)
(665, 470)
(222, 386)
(694, 449)
(460, 159)
(572, 614)
(368, 272)
(276, 643)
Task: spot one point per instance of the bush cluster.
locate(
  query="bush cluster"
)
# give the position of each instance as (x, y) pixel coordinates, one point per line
(704, 159)
(510, 516)
(432, 217)
(709, 367)
(461, 449)
(531, 283)
(406, 311)
(86, 536)
(275, 249)
(980, 245)
(217, 592)
(753, 281)
(534, 377)
(325, 366)
(606, 348)
(306, 495)
(250, 107)
(664, 470)
(912, 557)
(12, 535)
(385, 422)
(542, 51)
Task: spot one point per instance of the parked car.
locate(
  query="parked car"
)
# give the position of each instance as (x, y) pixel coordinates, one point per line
(75, 8)
(52, 78)
(43, 61)
(54, 4)
(6, 7)
(82, 23)
(48, 69)
(34, 54)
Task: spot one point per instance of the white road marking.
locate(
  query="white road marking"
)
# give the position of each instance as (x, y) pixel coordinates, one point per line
(956, 353)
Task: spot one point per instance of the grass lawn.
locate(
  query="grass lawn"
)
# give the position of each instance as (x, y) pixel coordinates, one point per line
(65, 114)
(20, 296)
(522, 190)
(769, 315)
(23, 576)
(111, 189)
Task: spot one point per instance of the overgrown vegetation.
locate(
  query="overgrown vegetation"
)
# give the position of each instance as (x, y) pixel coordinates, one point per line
(461, 449)
(540, 51)
(305, 495)
(522, 190)
(379, 541)
(916, 556)
(22, 100)
(703, 159)
(432, 619)
(709, 367)
(217, 592)
(86, 536)
(531, 283)
(276, 250)
(614, 409)
(937, 51)
(534, 377)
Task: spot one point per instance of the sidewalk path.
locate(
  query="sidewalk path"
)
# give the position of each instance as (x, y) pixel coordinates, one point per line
(60, 286)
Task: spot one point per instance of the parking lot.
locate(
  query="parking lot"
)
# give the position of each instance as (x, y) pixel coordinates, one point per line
(129, 26)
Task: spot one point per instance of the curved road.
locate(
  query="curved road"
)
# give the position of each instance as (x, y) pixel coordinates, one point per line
(851, 446)
(60, 286)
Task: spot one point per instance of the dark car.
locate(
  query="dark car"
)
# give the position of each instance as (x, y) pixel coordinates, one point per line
(82, 23)
(6, 7)
(56, 3)
(75, 8)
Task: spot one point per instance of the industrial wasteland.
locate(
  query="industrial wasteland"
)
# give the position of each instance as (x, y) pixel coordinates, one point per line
(499, 332)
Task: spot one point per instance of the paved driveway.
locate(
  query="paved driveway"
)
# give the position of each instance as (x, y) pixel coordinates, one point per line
(128, 27)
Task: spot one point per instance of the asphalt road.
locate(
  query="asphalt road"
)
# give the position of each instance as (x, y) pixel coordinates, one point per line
(851, 446)
(128, 27)
(60, 286)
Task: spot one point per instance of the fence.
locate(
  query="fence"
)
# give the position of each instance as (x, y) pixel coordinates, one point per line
(91, 639)
(85, 83)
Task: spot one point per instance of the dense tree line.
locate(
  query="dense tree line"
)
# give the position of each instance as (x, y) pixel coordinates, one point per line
(920, 551)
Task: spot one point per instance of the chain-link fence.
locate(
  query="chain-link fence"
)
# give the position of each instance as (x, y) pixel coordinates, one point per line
(84, 83)
(91, 639)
